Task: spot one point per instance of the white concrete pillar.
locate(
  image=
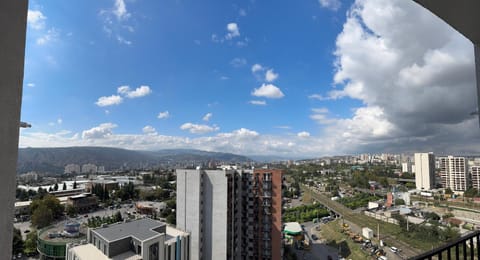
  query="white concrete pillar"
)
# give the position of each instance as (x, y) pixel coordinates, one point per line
(13, 22)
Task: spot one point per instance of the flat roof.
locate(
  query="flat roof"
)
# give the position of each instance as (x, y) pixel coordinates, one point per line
(141, 229)
(88, 251)
(293, 228)
(22, 203)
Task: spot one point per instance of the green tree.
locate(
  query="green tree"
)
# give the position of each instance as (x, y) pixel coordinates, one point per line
(399, 202)
(31, 243)
(42, 216)
(74, 184)
(64, 186)
(471, 192)
(55, 187)
(71, 211)
(17, 246)
(118, 217)
(45, 210)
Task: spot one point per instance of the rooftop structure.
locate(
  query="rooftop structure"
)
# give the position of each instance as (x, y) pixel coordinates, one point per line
(52, 240)
(139, 239)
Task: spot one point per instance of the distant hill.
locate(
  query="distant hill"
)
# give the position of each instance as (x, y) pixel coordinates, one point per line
(54, 159)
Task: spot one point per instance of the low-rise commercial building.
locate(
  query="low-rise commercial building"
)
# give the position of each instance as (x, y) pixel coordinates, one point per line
(145, 238)
(83, 202)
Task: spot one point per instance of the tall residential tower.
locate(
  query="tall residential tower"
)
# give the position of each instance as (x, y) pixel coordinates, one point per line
(425, 171)
(231, 214)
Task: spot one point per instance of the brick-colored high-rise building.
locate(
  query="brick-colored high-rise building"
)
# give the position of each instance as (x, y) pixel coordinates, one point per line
(231, 214)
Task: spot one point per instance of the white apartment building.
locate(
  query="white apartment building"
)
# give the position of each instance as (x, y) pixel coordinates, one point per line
(475, 175)
(231, 214)
(89, 168)
(72, 168)
(424, 171)
(453, 173)
(407, 167)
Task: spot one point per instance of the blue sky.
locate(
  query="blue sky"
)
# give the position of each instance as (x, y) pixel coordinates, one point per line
(251, 77)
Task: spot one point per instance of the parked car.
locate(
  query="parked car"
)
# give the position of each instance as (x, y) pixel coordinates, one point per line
(394, 249)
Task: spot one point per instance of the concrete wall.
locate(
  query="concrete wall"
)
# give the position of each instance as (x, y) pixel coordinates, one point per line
(215, 209)
(13, 21)
(188, 211)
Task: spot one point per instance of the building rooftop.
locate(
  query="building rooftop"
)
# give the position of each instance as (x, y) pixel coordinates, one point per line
(89, 251)
(292, 228)
(141, 229)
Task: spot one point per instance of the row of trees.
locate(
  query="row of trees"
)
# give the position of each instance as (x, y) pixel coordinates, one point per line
(359, 200)
(304, 213)
(97, 221)
(27, 247)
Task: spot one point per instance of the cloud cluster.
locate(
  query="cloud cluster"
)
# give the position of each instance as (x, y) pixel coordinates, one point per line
(413, 73)
(330, 4)
(123, 91)
(36, 19)
(116, 22)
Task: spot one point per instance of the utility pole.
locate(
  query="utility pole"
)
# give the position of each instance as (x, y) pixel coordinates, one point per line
(407, 223)
(378, 231)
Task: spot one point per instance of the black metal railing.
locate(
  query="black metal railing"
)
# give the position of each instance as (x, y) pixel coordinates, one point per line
(465, 247)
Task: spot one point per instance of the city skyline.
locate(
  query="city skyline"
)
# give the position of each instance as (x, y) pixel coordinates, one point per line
(333, 78)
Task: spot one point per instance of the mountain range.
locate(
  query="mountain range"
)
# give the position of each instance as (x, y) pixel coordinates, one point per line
(53, 160)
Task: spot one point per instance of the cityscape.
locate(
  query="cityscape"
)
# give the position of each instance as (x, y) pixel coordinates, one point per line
(385, 206)
(269, 130)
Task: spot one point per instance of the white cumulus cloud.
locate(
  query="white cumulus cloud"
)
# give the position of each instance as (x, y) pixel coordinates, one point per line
(268, 91)
(207, 117)
(257, 67)
(303, 134)
(199, 129)
(149, 130)
(102, 131)
(233, 31)
(120, 10)
(109, 101)
(138, 92)
(163, 115)
(36, 19)
(270, 75)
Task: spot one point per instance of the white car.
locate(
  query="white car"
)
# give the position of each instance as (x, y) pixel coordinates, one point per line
(394, 249)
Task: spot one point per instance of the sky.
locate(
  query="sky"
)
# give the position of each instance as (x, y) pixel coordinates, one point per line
(286, 78)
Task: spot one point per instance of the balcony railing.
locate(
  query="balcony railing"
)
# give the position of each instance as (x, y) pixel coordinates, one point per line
(466, 247)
